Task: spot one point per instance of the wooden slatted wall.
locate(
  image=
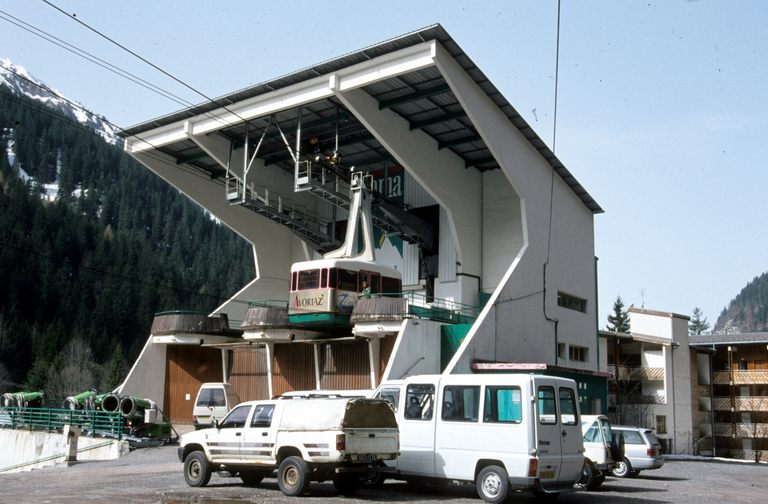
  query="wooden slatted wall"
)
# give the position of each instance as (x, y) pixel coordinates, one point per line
(249, 375)
(293, 368)
(345, 366)
(186, 367)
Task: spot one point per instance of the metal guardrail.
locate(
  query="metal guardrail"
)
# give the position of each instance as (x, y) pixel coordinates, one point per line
(419, 305)
(92, 422)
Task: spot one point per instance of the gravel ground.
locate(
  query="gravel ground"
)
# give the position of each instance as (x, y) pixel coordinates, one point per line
(153, 475)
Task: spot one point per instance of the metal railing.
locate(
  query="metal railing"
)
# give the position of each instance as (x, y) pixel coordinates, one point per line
(419, 305)
(91, 422)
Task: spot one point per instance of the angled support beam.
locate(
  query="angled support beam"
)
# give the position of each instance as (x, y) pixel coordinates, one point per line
(441, 173)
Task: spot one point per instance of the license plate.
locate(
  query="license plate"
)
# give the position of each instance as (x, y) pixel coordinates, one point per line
(546, 474)
(368, 457)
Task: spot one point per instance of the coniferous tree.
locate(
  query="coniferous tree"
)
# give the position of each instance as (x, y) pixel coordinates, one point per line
(618, 322)
(117, 246)
(698, 323)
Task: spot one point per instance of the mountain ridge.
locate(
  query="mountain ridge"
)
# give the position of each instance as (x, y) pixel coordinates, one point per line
(20, 81)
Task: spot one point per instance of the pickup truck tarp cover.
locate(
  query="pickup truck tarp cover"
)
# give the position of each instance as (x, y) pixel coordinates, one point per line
(334, 414)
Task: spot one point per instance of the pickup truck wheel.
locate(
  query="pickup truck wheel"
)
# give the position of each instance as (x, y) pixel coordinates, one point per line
(346, 484)
(251, 477)
(492, 484)
(292, 476)
(589, 476)
(197, 471)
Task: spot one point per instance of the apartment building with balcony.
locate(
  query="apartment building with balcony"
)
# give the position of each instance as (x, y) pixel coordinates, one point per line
(650, 383)
(732, 377)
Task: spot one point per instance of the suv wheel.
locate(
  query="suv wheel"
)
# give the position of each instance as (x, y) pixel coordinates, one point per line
(623, 468)
(197, 471)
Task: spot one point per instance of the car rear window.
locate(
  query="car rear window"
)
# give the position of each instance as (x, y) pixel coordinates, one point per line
(632, 437)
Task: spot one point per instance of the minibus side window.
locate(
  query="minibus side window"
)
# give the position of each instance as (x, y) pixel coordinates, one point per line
(503, 405)
(419, 402)
(547, 408)
(568, 412)
(460, 403)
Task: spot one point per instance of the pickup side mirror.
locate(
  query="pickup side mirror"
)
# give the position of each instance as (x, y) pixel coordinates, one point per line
(215, 423)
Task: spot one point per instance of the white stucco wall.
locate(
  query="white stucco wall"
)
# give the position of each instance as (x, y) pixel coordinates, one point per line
(417, 350)
(147, 376)
(517, 329)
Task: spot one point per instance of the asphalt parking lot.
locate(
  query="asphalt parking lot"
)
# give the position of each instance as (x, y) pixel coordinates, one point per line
(153, 475)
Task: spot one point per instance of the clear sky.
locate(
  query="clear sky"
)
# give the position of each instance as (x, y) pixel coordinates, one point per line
(662, 105)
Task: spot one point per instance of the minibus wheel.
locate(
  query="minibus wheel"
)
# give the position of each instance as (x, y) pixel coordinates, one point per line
(492, 483)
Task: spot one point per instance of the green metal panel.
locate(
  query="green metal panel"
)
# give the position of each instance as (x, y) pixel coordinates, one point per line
(451, 337)
(320, 319)
(590, 387)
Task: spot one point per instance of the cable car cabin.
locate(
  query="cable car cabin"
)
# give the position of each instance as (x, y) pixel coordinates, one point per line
(323, 292)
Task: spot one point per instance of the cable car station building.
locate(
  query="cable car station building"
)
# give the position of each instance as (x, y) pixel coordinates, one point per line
(492, 238)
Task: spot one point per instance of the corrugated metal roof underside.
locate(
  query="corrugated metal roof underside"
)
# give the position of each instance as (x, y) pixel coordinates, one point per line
(422, 98)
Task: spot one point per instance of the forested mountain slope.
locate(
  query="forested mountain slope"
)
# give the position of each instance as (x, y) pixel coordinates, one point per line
(748, 311)
(91, 246)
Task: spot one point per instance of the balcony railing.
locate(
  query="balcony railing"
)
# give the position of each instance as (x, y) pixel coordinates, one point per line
(743, 430)
(753, 403)
(616, 399)
(755, 377)
(630, 373)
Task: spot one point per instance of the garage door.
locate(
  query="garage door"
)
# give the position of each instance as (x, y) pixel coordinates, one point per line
(186, 367)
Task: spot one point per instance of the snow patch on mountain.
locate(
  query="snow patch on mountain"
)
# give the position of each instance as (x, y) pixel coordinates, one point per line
(21, 82)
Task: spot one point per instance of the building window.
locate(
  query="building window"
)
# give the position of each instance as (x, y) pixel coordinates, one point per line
(571, 302)
(661, 424)
(561, 350)
(577, 353)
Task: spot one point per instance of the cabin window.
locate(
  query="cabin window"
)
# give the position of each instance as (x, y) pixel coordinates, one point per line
(374, 281)
(460, 403)
(419, 402)
(294, 280)
(309, 279)
(390, 285)
(324, 278)
(547, 408)
(333, 278)
(503, 405)
(568, 411)
(347, 280)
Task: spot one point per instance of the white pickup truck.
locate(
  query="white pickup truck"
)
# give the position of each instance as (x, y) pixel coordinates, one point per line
(305, 440)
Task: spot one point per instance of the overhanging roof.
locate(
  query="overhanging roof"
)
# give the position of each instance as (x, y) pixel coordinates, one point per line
(422, 97)
(728, 339)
